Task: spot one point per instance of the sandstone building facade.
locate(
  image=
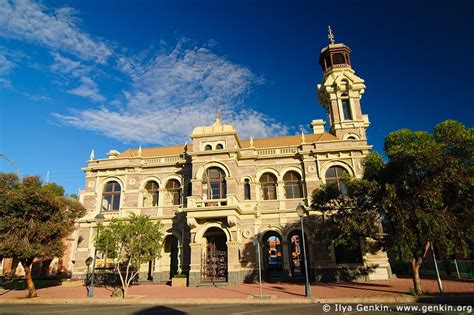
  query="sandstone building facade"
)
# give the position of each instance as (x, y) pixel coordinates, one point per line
(220, 193)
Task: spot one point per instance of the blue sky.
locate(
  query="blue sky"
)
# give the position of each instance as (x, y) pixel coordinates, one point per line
(83, 75)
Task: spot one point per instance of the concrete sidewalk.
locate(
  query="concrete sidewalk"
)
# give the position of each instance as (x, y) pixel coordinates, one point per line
(392, 291)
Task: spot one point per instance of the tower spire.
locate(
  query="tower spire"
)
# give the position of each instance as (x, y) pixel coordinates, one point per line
(330, 35)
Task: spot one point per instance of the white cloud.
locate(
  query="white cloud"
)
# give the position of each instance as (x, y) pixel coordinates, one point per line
(58, 30)
(88, 88)
(68, 66)
(5, 68)
(5, 65)
(77, 71)
(173, 92)
(169, 92)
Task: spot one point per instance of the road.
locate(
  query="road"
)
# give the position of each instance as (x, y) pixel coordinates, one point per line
(234, 309)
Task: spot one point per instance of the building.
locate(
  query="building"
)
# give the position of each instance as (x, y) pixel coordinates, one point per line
(218, 194)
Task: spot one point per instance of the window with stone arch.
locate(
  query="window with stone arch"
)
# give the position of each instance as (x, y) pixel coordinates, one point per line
(335, 175)
(151, 194)
(173, 189)
(208, 147)
(293, 185)
(111, 196)
(215, 184)
(268, 182)
(346, 107)
(247, 192)
(219, 146)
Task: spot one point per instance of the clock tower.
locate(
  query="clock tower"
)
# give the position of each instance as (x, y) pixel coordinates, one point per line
(340, 92)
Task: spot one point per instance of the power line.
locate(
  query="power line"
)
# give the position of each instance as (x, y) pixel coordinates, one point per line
(13, 163)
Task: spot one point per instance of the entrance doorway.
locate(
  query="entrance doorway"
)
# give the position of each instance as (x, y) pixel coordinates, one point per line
(272, 255)
(215, 262)
(171, 252)
(296, 255)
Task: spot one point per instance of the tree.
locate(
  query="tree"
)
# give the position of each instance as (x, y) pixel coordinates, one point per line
(54, 188)
(34, 220)
(423, 194)
(130, 243)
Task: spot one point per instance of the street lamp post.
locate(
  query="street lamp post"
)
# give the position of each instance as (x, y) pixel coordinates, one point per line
(90, 293)
(301, 210)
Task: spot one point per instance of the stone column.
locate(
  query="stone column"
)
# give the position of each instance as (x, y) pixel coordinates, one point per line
(286, 260)
(234, 275)
(196, 263)
(156, 271)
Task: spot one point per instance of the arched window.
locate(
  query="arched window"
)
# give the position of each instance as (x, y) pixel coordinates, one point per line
(173, 188)
(111, 196)
(214, 181)
(293, 187)
(219, 146)
(268, 182)
(208, 147)
(247, 195)
(272, 254)
(338, 59)
(150, 196)
(334, 175)
(346, 109)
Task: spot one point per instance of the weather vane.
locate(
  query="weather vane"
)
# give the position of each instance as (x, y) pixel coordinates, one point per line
(330, 35)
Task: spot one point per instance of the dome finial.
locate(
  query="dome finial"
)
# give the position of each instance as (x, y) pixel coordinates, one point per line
(218, 115)
(330, 35)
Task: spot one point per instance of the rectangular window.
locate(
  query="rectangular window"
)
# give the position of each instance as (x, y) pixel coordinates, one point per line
(116, 203)
(293, 191)
(106, 203)
(176, 197)
(346, 110)
(215, 190)
(269, 192)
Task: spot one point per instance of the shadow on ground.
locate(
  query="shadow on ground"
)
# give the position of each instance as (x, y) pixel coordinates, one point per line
(159, 310)
(20, 284)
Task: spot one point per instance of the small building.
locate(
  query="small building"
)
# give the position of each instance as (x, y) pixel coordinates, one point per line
(218, 194)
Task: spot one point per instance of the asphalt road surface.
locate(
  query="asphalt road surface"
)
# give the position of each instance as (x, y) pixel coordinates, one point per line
(273, 309)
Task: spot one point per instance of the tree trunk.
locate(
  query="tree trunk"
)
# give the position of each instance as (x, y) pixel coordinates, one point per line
(415, 266)
(125, 291)
(29, 280)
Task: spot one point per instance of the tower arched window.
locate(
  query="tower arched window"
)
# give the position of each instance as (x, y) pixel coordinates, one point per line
(346, 109)
(268, 183)
(247, 195)
(293, 187)
(334, 176)
(173, 188)
(215, 183)
(111, 196)
(208, 147)
(151, 194)
(219, 146)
